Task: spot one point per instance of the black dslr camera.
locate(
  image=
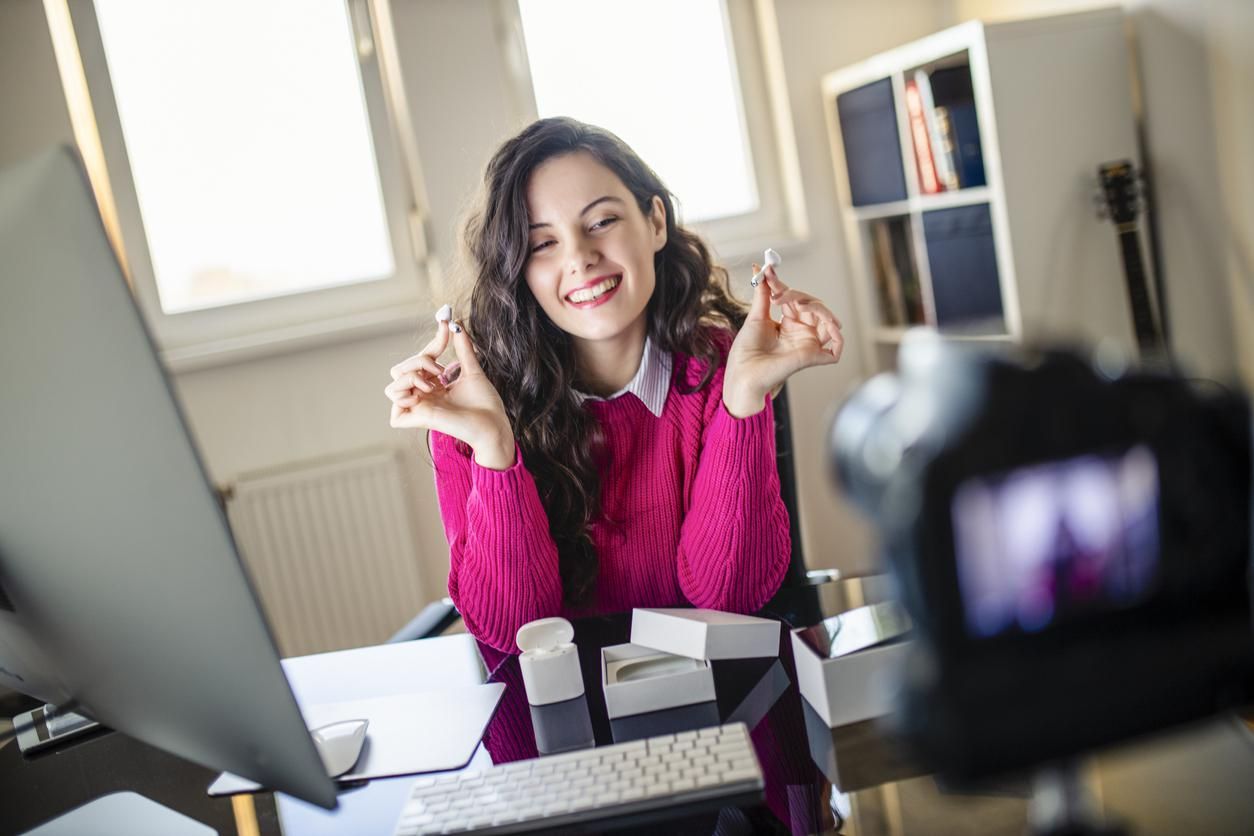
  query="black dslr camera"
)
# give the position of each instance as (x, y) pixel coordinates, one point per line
(1073, 548)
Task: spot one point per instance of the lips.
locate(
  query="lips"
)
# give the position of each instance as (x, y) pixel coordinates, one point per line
(607, 286)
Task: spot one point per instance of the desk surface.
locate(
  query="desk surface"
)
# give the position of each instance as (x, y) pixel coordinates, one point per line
(1191, 782)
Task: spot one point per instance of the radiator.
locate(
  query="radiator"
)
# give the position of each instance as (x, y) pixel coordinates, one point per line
(331, 549)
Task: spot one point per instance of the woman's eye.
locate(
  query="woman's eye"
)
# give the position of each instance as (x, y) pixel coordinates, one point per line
(535, 248)
(604, 222)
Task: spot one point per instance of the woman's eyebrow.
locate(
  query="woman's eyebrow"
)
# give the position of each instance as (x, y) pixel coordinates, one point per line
(585, 209)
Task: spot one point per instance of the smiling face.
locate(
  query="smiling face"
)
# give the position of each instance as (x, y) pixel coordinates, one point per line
(591, 248)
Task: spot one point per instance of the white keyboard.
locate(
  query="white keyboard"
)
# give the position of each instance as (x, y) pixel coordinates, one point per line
(690, 769)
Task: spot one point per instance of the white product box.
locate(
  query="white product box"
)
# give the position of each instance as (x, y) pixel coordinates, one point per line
(705, 634)
(848, 666)
(638, 679)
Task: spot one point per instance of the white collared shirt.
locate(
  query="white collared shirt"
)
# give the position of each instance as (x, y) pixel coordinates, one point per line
(651, 383)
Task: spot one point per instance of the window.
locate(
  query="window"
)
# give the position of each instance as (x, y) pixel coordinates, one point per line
(255, 175)
(688, 86)
(249, 147)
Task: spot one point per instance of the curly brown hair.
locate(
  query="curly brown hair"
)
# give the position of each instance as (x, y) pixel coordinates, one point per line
(531, 361)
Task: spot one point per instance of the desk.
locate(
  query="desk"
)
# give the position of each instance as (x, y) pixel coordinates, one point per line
(1191, 782)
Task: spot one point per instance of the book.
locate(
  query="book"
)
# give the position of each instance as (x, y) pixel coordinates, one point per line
(928, 181)
(952, 89)
(896, 279)
(903, 259)
(969, 159)
(868, 127)
(946, 176)
(887, 278)
(946, 147)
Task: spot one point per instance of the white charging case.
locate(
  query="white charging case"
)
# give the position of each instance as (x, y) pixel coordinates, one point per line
(549, 661)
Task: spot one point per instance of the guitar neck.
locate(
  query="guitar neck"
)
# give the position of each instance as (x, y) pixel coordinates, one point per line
(1149, 336)
(1119, 185)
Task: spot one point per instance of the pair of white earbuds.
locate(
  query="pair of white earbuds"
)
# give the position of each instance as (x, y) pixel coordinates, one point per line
(770, 259)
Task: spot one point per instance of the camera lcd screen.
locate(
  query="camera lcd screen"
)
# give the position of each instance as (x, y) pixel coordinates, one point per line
(1042, 545)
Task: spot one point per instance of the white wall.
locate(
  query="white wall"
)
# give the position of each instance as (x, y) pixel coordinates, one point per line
(1230, 37)
(328, 400)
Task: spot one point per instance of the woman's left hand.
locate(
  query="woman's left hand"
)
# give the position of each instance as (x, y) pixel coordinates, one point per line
(766, 353)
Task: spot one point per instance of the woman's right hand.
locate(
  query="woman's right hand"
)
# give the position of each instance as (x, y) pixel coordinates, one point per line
(457, 400)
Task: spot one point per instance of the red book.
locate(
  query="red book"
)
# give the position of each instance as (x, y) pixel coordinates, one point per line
(922, 143)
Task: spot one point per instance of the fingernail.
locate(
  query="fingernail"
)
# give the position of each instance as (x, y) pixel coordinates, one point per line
(444, 314)
(457, 329)
(452, 373)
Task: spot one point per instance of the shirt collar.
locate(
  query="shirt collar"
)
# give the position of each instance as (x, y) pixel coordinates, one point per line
(651, 383)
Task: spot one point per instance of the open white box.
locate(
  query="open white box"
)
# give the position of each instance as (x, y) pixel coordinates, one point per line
(848, 666)
(638, 679)
(705, 634)
(849, 688)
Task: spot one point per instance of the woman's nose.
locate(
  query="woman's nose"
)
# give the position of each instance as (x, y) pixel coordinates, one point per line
(582, 256)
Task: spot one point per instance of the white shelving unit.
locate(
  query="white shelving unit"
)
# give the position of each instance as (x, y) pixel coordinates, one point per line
(1052, 98)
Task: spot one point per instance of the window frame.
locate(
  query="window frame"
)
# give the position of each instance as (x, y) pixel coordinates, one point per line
(245, 329)
(780, 220)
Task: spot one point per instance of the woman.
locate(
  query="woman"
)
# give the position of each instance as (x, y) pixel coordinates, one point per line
(604, 439)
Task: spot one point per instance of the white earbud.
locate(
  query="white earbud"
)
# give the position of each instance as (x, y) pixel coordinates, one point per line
(770, 259)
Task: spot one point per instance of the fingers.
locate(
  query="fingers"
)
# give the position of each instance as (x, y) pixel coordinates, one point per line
(451, 373)
(407, 382)
(426, 358)
(399, 387)
(409, 390)
(814, 312)
(422, 375)
(806, 308)
(420, 415)
(428, 414)
(407, 417)
(827, 336)
(760, 304)
(791, 297)
(807, 343)
(778, 288)
(440, 341)
(465, 351)
(819, 310)
(418, 364)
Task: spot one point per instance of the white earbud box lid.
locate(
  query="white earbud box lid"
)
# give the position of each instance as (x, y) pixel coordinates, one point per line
(705, 634)
(544, 634)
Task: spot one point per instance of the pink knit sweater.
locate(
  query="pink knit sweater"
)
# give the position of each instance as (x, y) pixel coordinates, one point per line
(694, 496)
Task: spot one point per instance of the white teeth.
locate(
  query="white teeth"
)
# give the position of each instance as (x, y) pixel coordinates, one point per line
(589, 293)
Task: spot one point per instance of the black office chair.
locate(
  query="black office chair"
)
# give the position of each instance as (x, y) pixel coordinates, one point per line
(438, 616)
